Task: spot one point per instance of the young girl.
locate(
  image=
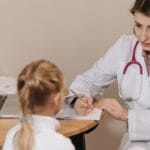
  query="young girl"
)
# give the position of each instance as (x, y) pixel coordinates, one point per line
(39, 91)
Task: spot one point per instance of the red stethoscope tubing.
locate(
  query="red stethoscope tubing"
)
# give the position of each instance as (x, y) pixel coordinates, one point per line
(133, 61)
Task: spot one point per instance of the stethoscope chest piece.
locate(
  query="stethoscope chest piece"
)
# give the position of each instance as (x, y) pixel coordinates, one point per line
(129, 99)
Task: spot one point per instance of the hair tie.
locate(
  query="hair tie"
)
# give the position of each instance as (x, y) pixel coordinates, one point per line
(23, 119)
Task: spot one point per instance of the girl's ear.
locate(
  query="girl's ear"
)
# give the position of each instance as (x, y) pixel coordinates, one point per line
(56, 98)
(57, 102)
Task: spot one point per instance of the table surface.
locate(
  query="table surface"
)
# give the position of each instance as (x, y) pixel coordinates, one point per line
(67, 127)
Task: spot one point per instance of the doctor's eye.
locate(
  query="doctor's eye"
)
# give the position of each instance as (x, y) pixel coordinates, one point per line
(137, 25)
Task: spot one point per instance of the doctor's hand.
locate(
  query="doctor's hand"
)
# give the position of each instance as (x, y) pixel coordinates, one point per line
(112, 107)
(83, 105)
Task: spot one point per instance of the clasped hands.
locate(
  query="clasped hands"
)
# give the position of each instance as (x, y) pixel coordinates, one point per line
(109, 105)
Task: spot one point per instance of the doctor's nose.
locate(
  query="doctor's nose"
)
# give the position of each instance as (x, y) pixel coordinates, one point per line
(144, 36)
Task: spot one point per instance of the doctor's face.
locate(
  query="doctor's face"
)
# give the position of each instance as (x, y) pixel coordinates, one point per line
(142, 30)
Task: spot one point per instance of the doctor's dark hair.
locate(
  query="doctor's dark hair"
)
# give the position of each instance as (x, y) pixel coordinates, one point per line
(142, 6)
(36, 82)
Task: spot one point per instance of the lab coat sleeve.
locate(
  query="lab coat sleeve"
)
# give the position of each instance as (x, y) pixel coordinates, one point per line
(95, 80)
(139, 125)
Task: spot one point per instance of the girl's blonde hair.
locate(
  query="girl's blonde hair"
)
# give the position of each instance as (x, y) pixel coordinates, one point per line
(35, 83)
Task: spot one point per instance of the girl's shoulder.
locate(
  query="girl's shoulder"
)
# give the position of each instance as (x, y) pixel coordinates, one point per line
(8, 144)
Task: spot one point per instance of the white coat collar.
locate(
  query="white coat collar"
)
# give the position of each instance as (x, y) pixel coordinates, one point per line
(140, 57)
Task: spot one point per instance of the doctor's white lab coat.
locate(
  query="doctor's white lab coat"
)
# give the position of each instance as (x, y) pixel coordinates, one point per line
(110, 68)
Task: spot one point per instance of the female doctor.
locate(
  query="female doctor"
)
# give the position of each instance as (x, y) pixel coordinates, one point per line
(128, 62)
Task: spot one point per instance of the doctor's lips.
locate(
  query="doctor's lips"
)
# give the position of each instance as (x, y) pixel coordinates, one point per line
(145, 44)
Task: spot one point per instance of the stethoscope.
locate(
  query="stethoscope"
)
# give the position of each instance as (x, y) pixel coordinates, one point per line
(133, 61)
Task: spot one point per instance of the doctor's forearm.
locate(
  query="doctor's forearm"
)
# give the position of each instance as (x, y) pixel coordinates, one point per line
(112, 107)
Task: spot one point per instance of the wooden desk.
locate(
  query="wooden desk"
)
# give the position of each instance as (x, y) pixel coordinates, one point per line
(75, 129)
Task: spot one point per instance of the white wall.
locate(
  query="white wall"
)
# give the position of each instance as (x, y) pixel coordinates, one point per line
(71, 33)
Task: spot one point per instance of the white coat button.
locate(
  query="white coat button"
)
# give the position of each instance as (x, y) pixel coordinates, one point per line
(129, 99)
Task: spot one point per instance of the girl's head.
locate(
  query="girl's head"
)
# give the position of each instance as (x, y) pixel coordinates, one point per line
(39, 84)
(141, 12)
